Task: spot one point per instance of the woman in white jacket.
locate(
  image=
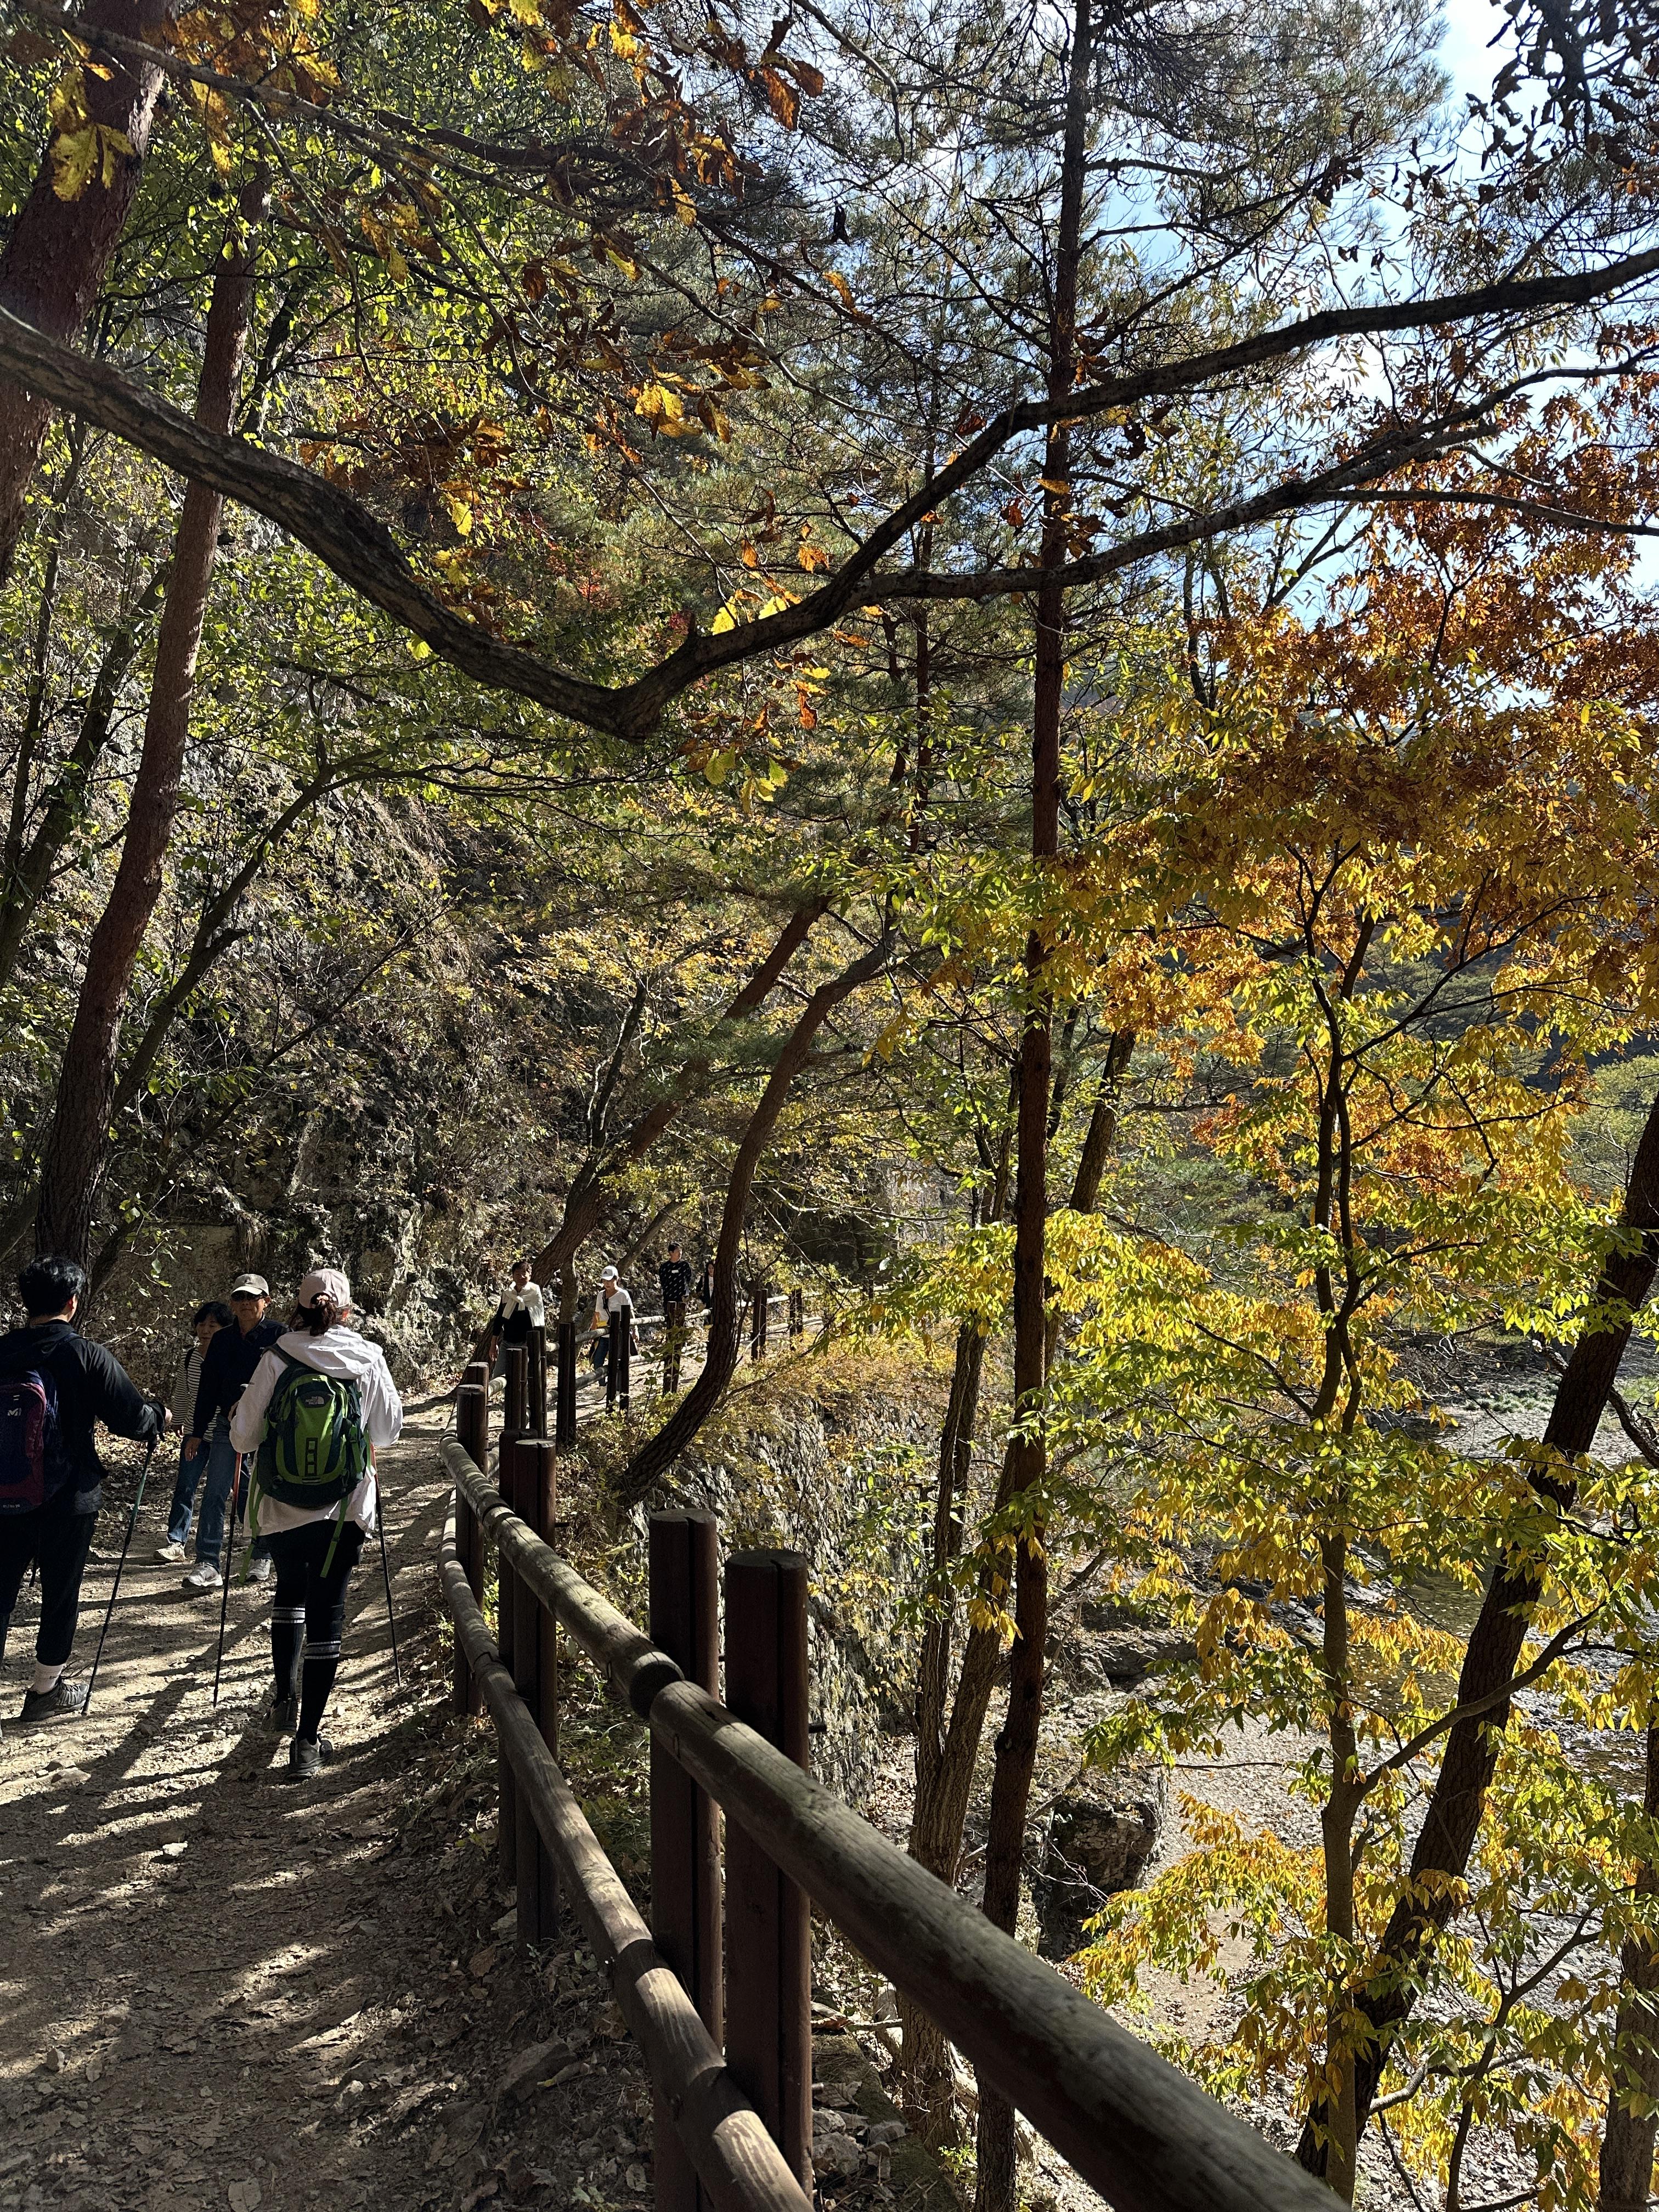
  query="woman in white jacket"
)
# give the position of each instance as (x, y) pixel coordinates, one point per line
(315, 1546)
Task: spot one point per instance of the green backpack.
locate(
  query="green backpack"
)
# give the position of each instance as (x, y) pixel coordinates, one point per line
(314, 1450)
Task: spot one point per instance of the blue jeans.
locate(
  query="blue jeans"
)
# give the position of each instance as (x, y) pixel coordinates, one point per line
(216, 1497)
(179, 1513)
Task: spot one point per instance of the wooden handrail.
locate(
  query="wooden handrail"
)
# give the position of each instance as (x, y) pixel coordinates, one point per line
(737, 2162)
(1131, 2124)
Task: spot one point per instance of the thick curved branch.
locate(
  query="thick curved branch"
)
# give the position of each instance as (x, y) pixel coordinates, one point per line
(362, 552)
(337, 528)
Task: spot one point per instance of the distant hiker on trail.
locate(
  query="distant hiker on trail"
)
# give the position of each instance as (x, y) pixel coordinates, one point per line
(674, 1282)
(54, 1386)
(612, 1299)
(319, 1401)
(706, 1285)
(229, 1361)
(519, 1310)
(207, 1321)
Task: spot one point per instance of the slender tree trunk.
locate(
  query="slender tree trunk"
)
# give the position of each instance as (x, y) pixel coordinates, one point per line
(929, 2107)
(1429, 1899)
(60, 251)
(947, 1755)
(1017, 1743)
(1336, 1826)
(30, 861)
(658, 1454)
(78, 1145)
(586, 1203)
(1627, 2146)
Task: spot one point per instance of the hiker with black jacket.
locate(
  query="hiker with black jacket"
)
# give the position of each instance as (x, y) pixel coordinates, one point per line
(674, 1285)
(227, 1368)
(319, 1402)
(55, 1387)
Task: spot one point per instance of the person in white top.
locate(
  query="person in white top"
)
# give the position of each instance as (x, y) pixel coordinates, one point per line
(519, 1310)
(315, 1523)
(613, 1298)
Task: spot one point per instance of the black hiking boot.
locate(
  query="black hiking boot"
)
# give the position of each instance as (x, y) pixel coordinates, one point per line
(282, 1716)
(63, 1702)
(305, 1754)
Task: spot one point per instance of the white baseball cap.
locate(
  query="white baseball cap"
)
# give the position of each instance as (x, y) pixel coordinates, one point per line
(610, 1276)
(325, 1283)
(250, 1286)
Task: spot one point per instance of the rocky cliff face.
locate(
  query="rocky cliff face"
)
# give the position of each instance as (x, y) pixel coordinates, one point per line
(827, 1456)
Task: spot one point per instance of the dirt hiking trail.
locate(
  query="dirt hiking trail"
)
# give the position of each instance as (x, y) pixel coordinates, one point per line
(219, 1988)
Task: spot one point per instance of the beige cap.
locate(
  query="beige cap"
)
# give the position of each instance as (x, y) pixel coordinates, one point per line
(325, 1283)
(250, 1286)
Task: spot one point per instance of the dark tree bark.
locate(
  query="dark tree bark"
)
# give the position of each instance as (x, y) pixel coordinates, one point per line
(1626, 2175)
(658, 1454)
(946, 1754)
(60, 250)
(1017, 1742)
(1428, 1901)
(77, 1144)
(343, 533)
(30, 861)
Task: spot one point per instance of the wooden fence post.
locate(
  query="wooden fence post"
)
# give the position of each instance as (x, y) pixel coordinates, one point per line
(797, 1312)
(516, 1360)
(564, 1400)
(534, 1645)
(472, 1432)
(616, 1368)
(768, 1933)
(758, 1325)
(506, 1605)
(686, 1862)
(537, 1423)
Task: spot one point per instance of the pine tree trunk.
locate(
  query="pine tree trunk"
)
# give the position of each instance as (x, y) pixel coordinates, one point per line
(1428, 1901)
(1017, 1742)
(77, 1144)
(1626, 2178)
(925, 2060)
(60, 251)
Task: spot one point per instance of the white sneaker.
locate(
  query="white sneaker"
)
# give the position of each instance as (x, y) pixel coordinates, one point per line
(259, 1569)
(170, 1553)
(204, 1576)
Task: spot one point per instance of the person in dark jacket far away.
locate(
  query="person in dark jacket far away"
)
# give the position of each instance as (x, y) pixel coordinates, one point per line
(674, 1282)
(55, 1387)
(226, 1369)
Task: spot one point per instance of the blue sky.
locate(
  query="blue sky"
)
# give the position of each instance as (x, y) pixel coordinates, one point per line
(1469, 25)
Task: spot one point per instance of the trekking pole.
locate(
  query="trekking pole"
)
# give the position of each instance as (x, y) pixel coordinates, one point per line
(133, 1522)
(386, 1569)
(224, 1595)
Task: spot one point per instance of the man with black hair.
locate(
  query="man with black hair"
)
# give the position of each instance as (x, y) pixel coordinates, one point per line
(76, 1385)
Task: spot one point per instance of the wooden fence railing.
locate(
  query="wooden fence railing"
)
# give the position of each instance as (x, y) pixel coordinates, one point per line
(761, 1307)
(717, 1993)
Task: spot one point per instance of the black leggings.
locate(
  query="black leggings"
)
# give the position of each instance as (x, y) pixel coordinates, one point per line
(307, 1613)
(60, 1541)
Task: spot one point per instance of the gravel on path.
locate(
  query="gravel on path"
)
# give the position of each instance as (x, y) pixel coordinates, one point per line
(218, 1988)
